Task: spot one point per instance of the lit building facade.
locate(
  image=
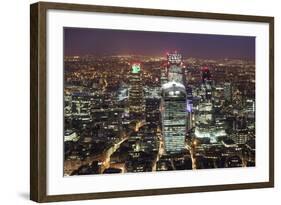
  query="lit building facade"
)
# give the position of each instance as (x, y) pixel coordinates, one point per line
(208, 128)
(174, 114)
(152, 112)
(164, 76)
(228, 92)
(206, 86)
(175, 68)
(136, 95)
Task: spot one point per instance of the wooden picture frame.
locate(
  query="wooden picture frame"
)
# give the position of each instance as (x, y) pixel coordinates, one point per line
(38, 100)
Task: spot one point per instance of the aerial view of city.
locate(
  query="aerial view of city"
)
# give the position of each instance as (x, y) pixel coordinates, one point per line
(142, 101)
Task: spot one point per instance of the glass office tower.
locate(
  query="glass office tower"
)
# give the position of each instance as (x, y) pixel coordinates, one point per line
(174, 116)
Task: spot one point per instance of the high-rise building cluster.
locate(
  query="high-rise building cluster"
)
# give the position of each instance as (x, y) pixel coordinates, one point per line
(157, 114)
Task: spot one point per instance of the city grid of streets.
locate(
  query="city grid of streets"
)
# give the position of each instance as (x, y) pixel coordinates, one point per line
(131, 113)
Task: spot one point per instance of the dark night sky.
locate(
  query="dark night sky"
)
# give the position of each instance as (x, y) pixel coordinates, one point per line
(82, 41)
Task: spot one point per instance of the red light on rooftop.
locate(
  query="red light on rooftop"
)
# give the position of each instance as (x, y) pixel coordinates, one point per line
(205, 68)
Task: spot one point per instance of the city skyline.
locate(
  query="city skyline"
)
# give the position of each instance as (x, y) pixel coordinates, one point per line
(147, 113)
(89, 41)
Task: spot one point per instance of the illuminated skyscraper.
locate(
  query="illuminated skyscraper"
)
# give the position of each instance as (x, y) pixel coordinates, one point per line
(136, 101)
(190, 114)
(207, 127)
(228, 92)
(205, 75)
(175, 68)
(152, 112)
(206, 85)
(164, 77)
(174, 116)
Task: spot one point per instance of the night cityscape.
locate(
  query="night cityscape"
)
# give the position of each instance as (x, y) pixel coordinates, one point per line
(139, 101)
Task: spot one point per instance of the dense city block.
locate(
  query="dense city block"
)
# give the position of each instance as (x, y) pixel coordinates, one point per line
(135, 113)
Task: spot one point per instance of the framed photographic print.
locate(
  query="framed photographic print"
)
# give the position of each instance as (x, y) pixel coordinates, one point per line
(134, 102)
